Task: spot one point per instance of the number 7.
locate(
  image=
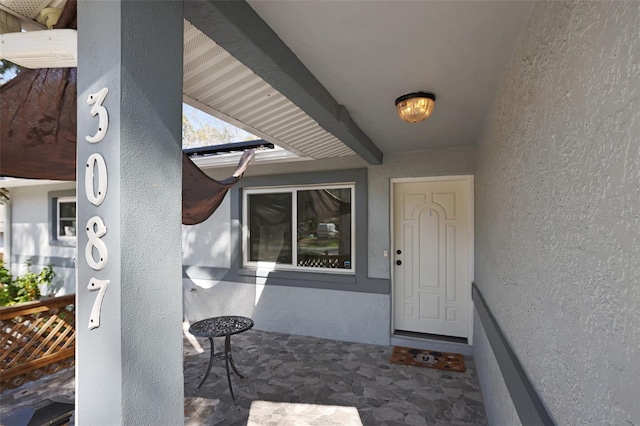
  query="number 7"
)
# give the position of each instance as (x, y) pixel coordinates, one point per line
(101, 285)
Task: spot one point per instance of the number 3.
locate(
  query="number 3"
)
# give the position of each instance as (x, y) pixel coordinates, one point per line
(96, 100)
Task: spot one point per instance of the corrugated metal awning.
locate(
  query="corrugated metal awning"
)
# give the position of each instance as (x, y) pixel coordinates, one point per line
(217, 83)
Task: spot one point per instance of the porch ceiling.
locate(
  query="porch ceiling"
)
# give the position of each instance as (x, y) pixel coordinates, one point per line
(344, 63)
(324, 85)
(366, 54)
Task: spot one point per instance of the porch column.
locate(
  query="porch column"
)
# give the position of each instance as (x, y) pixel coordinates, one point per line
(129, 347)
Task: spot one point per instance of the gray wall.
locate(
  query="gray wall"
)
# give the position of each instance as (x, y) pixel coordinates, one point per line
(129, 370)
(499, 407)
(557, 211)
(330, 313)
(31, 236)
(432, 162)
(207, 253)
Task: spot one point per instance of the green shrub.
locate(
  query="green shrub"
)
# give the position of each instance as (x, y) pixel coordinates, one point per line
(24, 288)
(6, 293)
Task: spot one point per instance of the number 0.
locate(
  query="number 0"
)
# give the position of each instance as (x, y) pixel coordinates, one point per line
(93, 161)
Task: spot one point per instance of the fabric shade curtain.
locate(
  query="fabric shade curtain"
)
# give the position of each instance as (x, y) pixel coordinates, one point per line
(38, 125)
(38, 119)
(201, 195)
(38, 135)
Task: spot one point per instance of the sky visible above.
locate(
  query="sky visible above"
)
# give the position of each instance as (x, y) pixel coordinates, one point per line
(202, 129)
(198, 128)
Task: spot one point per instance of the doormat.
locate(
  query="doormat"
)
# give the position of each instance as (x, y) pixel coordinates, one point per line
(425, 358)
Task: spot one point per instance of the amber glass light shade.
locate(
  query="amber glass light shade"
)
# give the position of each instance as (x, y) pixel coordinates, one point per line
(415, 107)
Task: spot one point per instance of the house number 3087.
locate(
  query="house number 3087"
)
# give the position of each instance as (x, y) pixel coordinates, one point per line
(95, 188)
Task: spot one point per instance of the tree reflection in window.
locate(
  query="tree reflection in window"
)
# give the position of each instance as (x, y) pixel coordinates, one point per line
(321, 224)
(324, 228)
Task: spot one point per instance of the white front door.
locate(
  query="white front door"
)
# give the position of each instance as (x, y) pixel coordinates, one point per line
(431, 256)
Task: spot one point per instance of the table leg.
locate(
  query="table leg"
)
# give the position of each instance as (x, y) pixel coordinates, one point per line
(227, 355)
(209, 366)
(233, 365)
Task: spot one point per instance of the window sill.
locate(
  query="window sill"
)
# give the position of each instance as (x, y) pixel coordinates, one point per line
(279, 274)
(62, 243)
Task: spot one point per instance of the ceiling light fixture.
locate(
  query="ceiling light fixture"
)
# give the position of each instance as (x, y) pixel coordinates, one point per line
(415, 107)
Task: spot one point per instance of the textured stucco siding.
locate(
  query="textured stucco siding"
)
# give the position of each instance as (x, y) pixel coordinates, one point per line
(498, 404)
(432, 162)
(209, 243)
(342, 315)
(558, 211)
(354, 316)
(31, 235)
(331, 314)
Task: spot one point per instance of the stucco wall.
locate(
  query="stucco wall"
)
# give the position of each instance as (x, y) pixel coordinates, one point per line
(208, 243)
(558, 211)
(498, 404)
(31, 236)
(349, 308)
(332, 314)
(432, 162)
(342, 315)
(353, 315)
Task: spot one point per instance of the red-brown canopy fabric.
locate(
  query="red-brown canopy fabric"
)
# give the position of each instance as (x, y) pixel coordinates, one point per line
(38, 135)
(201, 195)
(38, 125)
(38, 119)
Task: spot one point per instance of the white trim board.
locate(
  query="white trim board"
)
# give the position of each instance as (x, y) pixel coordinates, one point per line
(8, 182)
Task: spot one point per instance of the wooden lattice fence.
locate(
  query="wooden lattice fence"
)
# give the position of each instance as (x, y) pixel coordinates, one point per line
(37, 338)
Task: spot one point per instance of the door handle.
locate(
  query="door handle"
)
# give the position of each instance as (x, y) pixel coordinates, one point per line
(398, 262)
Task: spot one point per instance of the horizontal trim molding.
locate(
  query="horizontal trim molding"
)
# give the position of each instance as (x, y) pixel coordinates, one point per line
(289, 279)
(57, 262)
(529, 405)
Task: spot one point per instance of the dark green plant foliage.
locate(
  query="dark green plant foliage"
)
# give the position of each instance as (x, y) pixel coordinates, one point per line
(25, 288)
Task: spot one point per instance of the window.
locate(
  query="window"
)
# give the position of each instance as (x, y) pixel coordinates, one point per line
(66, 218)
(300, 228)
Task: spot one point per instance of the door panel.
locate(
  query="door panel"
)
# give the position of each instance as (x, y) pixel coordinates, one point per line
(431, 232)
(428, 255)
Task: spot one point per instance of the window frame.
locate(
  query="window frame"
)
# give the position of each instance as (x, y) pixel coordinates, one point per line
(293, 189)
(58, 229)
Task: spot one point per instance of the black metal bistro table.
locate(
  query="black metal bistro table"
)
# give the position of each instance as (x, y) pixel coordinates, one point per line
(217, 327)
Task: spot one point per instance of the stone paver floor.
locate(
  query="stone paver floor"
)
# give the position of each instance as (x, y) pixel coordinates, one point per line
(295, 380)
